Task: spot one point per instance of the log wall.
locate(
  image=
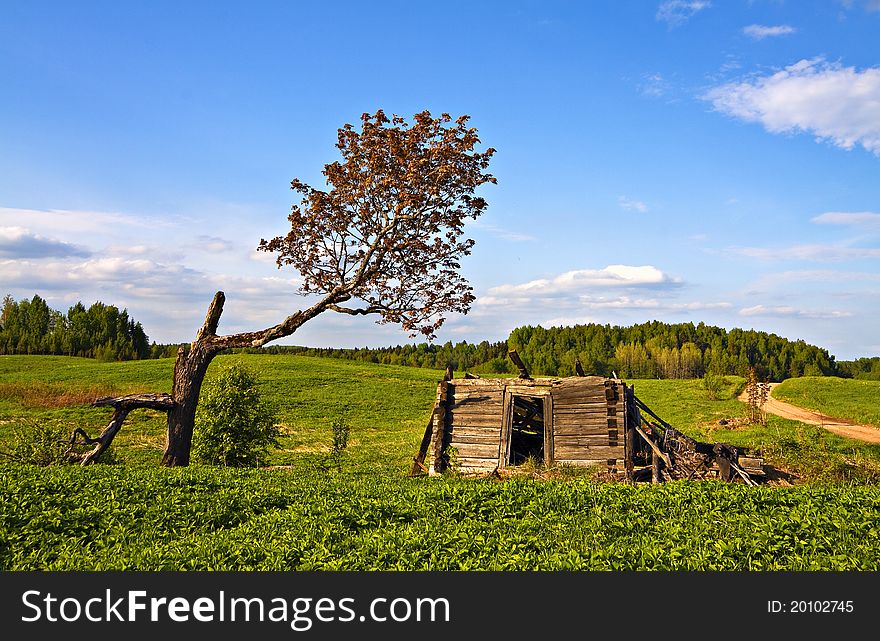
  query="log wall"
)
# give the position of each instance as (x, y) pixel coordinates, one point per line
(586, 421)
(589, 421)
(474, 418)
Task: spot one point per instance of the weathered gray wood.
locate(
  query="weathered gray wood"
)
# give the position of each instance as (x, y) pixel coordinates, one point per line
(595, 452)
(585, 381)
(560, 431)
(549, 437)
(472, 439)
(440, 428)
(593, 440)
(583, 462)
(472, 450)
(487, 422)
(419, 459)
(523, 372)
(663, 455)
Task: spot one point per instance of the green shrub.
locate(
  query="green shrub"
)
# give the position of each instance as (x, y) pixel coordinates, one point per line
(235, 427)
(39, 442)
(341, 430)
(715, 385)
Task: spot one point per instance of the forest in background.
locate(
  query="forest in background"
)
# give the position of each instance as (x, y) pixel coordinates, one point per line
(647, 350)
(99, 331)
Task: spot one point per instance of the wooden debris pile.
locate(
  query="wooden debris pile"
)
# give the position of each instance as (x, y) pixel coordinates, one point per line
(673, 455)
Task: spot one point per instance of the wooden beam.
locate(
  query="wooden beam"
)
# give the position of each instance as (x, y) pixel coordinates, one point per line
(663, 455)
(523, 372)
(419, 466)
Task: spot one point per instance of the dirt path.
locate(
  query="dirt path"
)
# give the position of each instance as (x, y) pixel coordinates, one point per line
(839, 426)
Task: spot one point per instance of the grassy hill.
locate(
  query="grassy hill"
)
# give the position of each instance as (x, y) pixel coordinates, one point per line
(137, 515)
(851, 399)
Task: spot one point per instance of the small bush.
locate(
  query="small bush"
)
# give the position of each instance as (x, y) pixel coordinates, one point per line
(40, 442)
(341, 430)
(715, 385)
(45, 442)
(235, 427)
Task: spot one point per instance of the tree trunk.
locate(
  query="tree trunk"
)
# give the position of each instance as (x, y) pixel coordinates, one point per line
(193, 361)
(189, 373)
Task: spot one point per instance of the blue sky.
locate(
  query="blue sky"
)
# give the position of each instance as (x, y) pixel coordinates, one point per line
(679, 160)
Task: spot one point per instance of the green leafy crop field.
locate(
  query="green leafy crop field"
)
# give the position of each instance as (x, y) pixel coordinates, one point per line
(304, 514)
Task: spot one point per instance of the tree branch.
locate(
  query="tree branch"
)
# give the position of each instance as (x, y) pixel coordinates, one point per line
(212, 318)
(373, 309)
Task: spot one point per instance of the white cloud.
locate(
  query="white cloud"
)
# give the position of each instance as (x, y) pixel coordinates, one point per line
(868, 219)
(676, 12)
(787, 311)
(213, 244)
(578, 281)
(653, 85)
(837, 104)
(810, 252)
(819, 275)
(759, 32)
(630, 204)
(65, 221)
(504, 234)
(18, 242)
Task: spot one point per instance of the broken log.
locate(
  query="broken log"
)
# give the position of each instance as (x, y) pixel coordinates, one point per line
(663, 455)
(121, 405)
(523, 372)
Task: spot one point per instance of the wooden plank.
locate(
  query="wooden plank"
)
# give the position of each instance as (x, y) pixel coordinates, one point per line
(581, 381)
(582, 440)
(440, 430)
(471, 439)
(493, 431)
(534, 390)
(477, 408)
(579, 453)
(583, 462)
(506, 423)
(487, 422)
(523, 372)
(581, 419)
(597, 395)
(463, 391)
(473, 450)
(580, 430)
(570, 407)
(657, 451)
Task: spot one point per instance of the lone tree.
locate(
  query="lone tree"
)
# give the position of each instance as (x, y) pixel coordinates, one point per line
(385, 238)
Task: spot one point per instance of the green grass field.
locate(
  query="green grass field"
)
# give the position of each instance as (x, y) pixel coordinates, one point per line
(369, 515)
(851, 399)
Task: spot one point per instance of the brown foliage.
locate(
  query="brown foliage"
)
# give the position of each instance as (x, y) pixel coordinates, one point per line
(54, 395)
(389, 230)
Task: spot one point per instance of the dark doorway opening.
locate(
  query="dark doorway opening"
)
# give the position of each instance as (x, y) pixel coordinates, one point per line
(527, 430)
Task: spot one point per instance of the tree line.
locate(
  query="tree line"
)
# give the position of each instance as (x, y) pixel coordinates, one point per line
(99, 331)
(647, 350)
(477, 357)
(663, 350)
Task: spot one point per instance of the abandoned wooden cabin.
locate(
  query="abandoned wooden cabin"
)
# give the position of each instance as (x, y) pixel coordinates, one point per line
(479, 426)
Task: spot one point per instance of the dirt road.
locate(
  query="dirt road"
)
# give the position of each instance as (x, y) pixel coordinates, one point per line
(839, 426)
